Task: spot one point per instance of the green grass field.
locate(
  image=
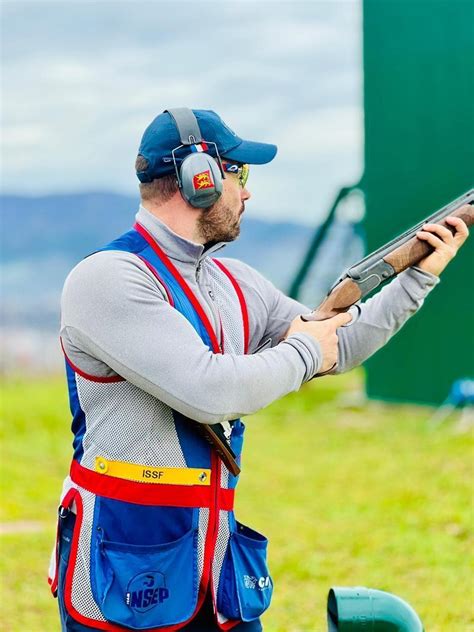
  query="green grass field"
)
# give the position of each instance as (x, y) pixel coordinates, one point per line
(368, 496)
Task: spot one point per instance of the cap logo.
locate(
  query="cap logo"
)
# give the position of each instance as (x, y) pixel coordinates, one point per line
(203, 180)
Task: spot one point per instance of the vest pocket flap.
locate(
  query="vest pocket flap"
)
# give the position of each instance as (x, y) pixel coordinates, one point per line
(245, 588)
(145, 586)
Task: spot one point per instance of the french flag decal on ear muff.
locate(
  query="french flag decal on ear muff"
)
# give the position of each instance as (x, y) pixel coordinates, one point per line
(200, 147)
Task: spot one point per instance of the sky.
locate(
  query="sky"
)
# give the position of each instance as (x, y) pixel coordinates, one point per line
(82, 80)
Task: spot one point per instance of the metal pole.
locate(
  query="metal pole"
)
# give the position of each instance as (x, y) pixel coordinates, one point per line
(316, 242)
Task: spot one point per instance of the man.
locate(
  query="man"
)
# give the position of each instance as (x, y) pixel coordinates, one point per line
(162, 339)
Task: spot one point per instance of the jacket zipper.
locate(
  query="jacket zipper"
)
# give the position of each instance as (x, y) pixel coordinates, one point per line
(212, 303)
(198, 270)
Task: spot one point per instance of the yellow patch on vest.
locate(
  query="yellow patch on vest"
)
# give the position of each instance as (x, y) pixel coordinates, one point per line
(156, 475)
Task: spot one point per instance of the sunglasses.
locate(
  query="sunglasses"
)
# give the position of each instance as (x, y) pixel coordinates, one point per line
(242, 171)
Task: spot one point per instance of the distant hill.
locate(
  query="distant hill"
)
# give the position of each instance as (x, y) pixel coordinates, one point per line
(43, 238)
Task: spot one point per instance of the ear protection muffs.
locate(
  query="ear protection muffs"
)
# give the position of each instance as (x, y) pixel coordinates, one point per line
(200, 175)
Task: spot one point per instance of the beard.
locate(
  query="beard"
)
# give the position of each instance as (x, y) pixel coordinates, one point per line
(219, 223)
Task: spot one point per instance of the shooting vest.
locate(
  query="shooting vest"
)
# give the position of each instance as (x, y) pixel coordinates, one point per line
(155, 528)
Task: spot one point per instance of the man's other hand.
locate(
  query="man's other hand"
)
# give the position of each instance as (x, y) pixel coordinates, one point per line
(445, 244)
(324, 331)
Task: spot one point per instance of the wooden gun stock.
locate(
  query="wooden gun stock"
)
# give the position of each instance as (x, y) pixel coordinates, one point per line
(339, 300)
(414, 250)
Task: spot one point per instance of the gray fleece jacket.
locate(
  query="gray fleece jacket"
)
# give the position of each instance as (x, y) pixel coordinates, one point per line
(115, 319)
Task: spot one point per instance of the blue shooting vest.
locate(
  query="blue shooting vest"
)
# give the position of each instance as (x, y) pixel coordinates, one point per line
(155, 527)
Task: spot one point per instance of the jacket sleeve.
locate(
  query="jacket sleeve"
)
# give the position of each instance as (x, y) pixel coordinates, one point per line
(115, 320)
(375, 321)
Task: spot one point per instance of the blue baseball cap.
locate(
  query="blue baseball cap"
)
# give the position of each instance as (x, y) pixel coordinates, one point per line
(162, 136)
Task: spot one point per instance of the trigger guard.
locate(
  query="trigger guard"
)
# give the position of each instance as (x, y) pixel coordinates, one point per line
(355, 317)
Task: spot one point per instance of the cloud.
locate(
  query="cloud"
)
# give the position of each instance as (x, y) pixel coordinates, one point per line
(326, 132)
(82, 80)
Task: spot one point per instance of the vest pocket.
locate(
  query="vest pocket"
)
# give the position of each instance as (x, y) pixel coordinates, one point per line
(144, 586)
(245, 587)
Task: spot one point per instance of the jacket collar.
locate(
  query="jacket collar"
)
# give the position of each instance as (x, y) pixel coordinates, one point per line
(175, 246)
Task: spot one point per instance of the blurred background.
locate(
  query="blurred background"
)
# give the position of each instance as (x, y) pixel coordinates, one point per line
(371, 105)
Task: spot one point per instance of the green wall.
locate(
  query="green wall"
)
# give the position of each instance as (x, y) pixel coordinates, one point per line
(419, 140)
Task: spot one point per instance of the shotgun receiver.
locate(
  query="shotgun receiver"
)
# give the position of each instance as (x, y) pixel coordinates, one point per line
(385, 263)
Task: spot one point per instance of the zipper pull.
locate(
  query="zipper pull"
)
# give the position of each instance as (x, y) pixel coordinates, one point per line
(211, 294)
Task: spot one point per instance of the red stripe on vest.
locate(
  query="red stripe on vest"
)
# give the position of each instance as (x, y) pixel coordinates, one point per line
(148, 493)
(243, 304)
(87, 376)
(66, 502)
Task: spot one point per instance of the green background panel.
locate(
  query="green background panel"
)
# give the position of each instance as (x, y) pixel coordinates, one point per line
(419, 131)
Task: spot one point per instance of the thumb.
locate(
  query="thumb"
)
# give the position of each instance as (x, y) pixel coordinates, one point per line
(341, 319)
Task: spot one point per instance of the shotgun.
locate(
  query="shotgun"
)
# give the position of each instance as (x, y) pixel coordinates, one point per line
(362, 278)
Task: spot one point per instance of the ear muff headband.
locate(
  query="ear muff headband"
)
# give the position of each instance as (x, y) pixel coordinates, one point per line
(199, 175)
(187, 125)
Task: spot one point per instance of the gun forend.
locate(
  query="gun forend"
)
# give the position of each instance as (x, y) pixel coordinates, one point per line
(386, 262)
(411, 252)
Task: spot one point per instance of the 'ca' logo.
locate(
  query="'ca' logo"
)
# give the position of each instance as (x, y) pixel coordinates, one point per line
(146, 590)
(263, 582)
(256, 582)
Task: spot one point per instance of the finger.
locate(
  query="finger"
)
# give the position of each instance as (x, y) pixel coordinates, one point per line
(443, 233)
(435, 241)
(462, 231)
(341, 319)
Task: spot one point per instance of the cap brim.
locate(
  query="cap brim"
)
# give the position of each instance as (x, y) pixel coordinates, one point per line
(252, 153)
